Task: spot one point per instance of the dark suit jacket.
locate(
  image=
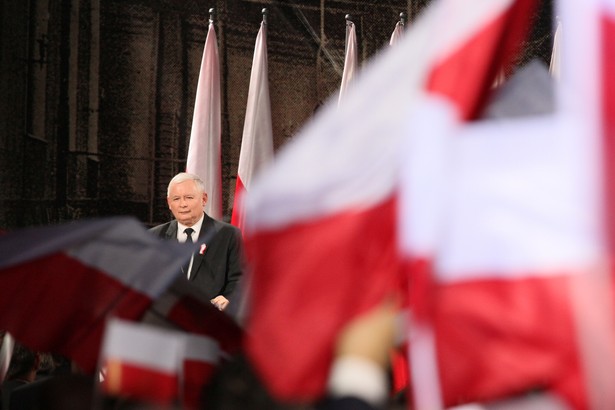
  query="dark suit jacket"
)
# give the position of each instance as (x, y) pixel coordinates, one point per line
(218, 269)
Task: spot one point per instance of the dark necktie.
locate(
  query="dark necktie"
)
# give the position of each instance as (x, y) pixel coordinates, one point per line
(188, 232)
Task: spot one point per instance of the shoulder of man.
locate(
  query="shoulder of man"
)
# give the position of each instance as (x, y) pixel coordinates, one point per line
(221, 225)
(161, 229)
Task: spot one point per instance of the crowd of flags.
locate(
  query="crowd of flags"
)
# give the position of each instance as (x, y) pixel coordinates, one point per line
(497, 234)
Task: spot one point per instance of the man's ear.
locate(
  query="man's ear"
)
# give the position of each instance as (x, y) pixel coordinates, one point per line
(204, 198)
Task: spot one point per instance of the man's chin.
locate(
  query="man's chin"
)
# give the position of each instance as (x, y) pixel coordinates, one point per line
(185, 221)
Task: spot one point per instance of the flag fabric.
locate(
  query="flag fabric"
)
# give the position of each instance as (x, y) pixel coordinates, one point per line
(322, 244)
(397, 33)
(183, 307)
(257, 139)
(204, 149)
(58, 284)
(156, 364)
(141, 362)
(199, 362)
(351, 63)
(211, 336)
(512, 246)
(554, 65)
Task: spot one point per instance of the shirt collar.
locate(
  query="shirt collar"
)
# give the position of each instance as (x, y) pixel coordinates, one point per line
(181, 236)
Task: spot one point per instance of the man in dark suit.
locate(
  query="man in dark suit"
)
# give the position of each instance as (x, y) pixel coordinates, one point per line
(217, 266)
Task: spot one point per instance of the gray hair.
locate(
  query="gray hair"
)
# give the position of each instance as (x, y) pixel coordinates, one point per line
(185, 176)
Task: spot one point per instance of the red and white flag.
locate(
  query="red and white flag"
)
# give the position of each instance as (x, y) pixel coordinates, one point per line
(183, 307)
(351, 62)
(513, 245)
(141, 362)
(211, 336)
(156, 364)
(322, 233)
(72, 277)
(257, 140)
(204, 150)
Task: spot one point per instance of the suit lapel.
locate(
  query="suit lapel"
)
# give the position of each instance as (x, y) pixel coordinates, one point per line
(171, 233)
(207, 231)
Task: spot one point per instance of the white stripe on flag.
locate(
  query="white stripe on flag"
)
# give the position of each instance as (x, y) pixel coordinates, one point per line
(143, 345)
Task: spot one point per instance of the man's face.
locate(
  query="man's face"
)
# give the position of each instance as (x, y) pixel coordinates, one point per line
(186, 202)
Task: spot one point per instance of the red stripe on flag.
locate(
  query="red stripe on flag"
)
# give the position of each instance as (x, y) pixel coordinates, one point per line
(468, 74)
(238, 217)
(341, 266)
(196, 317)
(139, 382)
(196, 375)
(65, 304)
(608, 107)
(504, 329)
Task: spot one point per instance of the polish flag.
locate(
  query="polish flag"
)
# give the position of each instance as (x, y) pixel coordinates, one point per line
(141, 362)
(211, 336)
(157, 364)
(204, 149)
(511, 256)
(351, 63)
(257, 140)
(183, 307)
(322, 233)
(201, 358)
(58, 284)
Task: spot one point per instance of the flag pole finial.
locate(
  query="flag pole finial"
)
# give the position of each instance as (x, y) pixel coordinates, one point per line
(402, 18)
(348, 18)
(264, 11)
(212, 13)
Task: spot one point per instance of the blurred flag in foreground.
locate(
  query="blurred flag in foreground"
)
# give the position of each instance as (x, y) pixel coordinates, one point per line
(511, 260)
(322, 233)
(210, 336)
(157, 364)
(257, 140)
(141, 362)
(58, 284)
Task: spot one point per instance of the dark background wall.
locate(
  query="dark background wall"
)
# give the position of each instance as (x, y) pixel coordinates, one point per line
(97, 95)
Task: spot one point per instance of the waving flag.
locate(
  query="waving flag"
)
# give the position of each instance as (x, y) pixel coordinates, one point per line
(204, 150)
(156, 365)
(210, 336)
(257, 140)
(351, 63)
(141, 362)
(68, 279)
(512, 244)
(322, 243)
